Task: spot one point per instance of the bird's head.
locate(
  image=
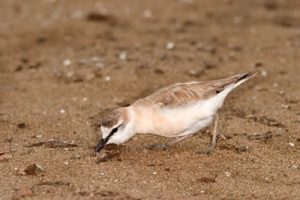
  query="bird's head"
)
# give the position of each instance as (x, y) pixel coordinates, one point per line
(116, 127)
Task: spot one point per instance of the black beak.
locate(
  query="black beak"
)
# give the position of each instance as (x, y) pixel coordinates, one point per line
(103, 142)
(101, 145)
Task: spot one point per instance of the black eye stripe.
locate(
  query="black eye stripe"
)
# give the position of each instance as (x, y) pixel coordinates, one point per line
(113, 132)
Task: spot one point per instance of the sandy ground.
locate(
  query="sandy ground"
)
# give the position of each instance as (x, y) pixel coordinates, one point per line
(62, 62)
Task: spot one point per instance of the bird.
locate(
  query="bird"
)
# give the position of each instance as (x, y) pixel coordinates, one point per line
(177, 111)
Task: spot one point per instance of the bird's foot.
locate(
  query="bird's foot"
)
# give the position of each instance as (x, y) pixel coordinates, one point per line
(207, 151)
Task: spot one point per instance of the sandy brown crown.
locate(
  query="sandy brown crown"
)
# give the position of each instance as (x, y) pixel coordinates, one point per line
(109, 119)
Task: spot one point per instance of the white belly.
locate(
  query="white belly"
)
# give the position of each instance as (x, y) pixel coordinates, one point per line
(175, 122)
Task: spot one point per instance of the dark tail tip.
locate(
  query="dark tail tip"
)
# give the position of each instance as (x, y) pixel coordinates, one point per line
(245, 76)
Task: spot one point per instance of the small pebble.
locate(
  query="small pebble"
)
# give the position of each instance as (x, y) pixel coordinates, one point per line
(154, 173)
(107, 78)
(123, 55)
(227, 174)
(62, 111)
(281, 92)
(99, 65)
(102, 173)
(295, 166)
(147, 13)
(95, 59)
(67, 62)
(264, 73)
(66, 163)
(170, 45)
(285, 106)
(291, 144)
(85, 99)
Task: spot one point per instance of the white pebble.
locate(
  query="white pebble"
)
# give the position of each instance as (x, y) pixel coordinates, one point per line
(202, 191)
(99, 65)
(170, 45)
(116, 180)
(154, 173)
(95, 59)
(285, 106)
(123, 55)
(78, 14)
(70, 74)
(66, 163)
(291, 144)
(107, 78)
(39, 136)
(295, 166)
(264, 73)
(84, 99)
(227, 174)
(102, 173)
(281, 92)
(62, 111)
(147, 13)
(67, 62)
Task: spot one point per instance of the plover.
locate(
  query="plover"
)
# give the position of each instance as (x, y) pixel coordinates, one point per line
(177, 111)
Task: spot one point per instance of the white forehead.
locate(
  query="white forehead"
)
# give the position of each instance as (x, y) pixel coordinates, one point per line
(106, 130)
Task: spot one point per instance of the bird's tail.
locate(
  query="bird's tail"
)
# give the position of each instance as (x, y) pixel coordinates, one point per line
(234, 81)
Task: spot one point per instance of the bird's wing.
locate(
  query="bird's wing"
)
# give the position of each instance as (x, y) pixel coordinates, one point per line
(182, 94)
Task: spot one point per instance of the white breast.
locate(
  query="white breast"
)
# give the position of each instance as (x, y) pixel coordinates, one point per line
(179, 121)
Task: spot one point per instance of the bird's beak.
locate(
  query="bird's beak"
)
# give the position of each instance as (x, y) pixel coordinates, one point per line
(101, 145)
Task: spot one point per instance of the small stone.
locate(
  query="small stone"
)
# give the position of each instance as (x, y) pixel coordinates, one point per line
(33, 169)
(281, 92)
(147, 13)
(99, 65)
(107, 78)
(85, 99)
(227, 174)
(154, 173)
(264, 73)
(196, 72)
(67, 62)
(62, 111)
(170, 45)
(123, 55)
(95, 59)
(78, 14)
(39, 136)
(66, 163)
(294, 166)
(285, 106)
(102, 173)
(291, 144)
(21, 125)
(76, 156)
(5, 157)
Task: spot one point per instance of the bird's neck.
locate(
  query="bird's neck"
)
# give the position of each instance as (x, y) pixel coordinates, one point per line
(142, 119)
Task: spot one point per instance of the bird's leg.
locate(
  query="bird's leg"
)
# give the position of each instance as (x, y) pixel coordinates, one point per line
(165, 146)
(179, 139)
(214, 136)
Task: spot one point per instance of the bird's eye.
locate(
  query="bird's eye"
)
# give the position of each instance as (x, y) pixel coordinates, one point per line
(114, 130)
